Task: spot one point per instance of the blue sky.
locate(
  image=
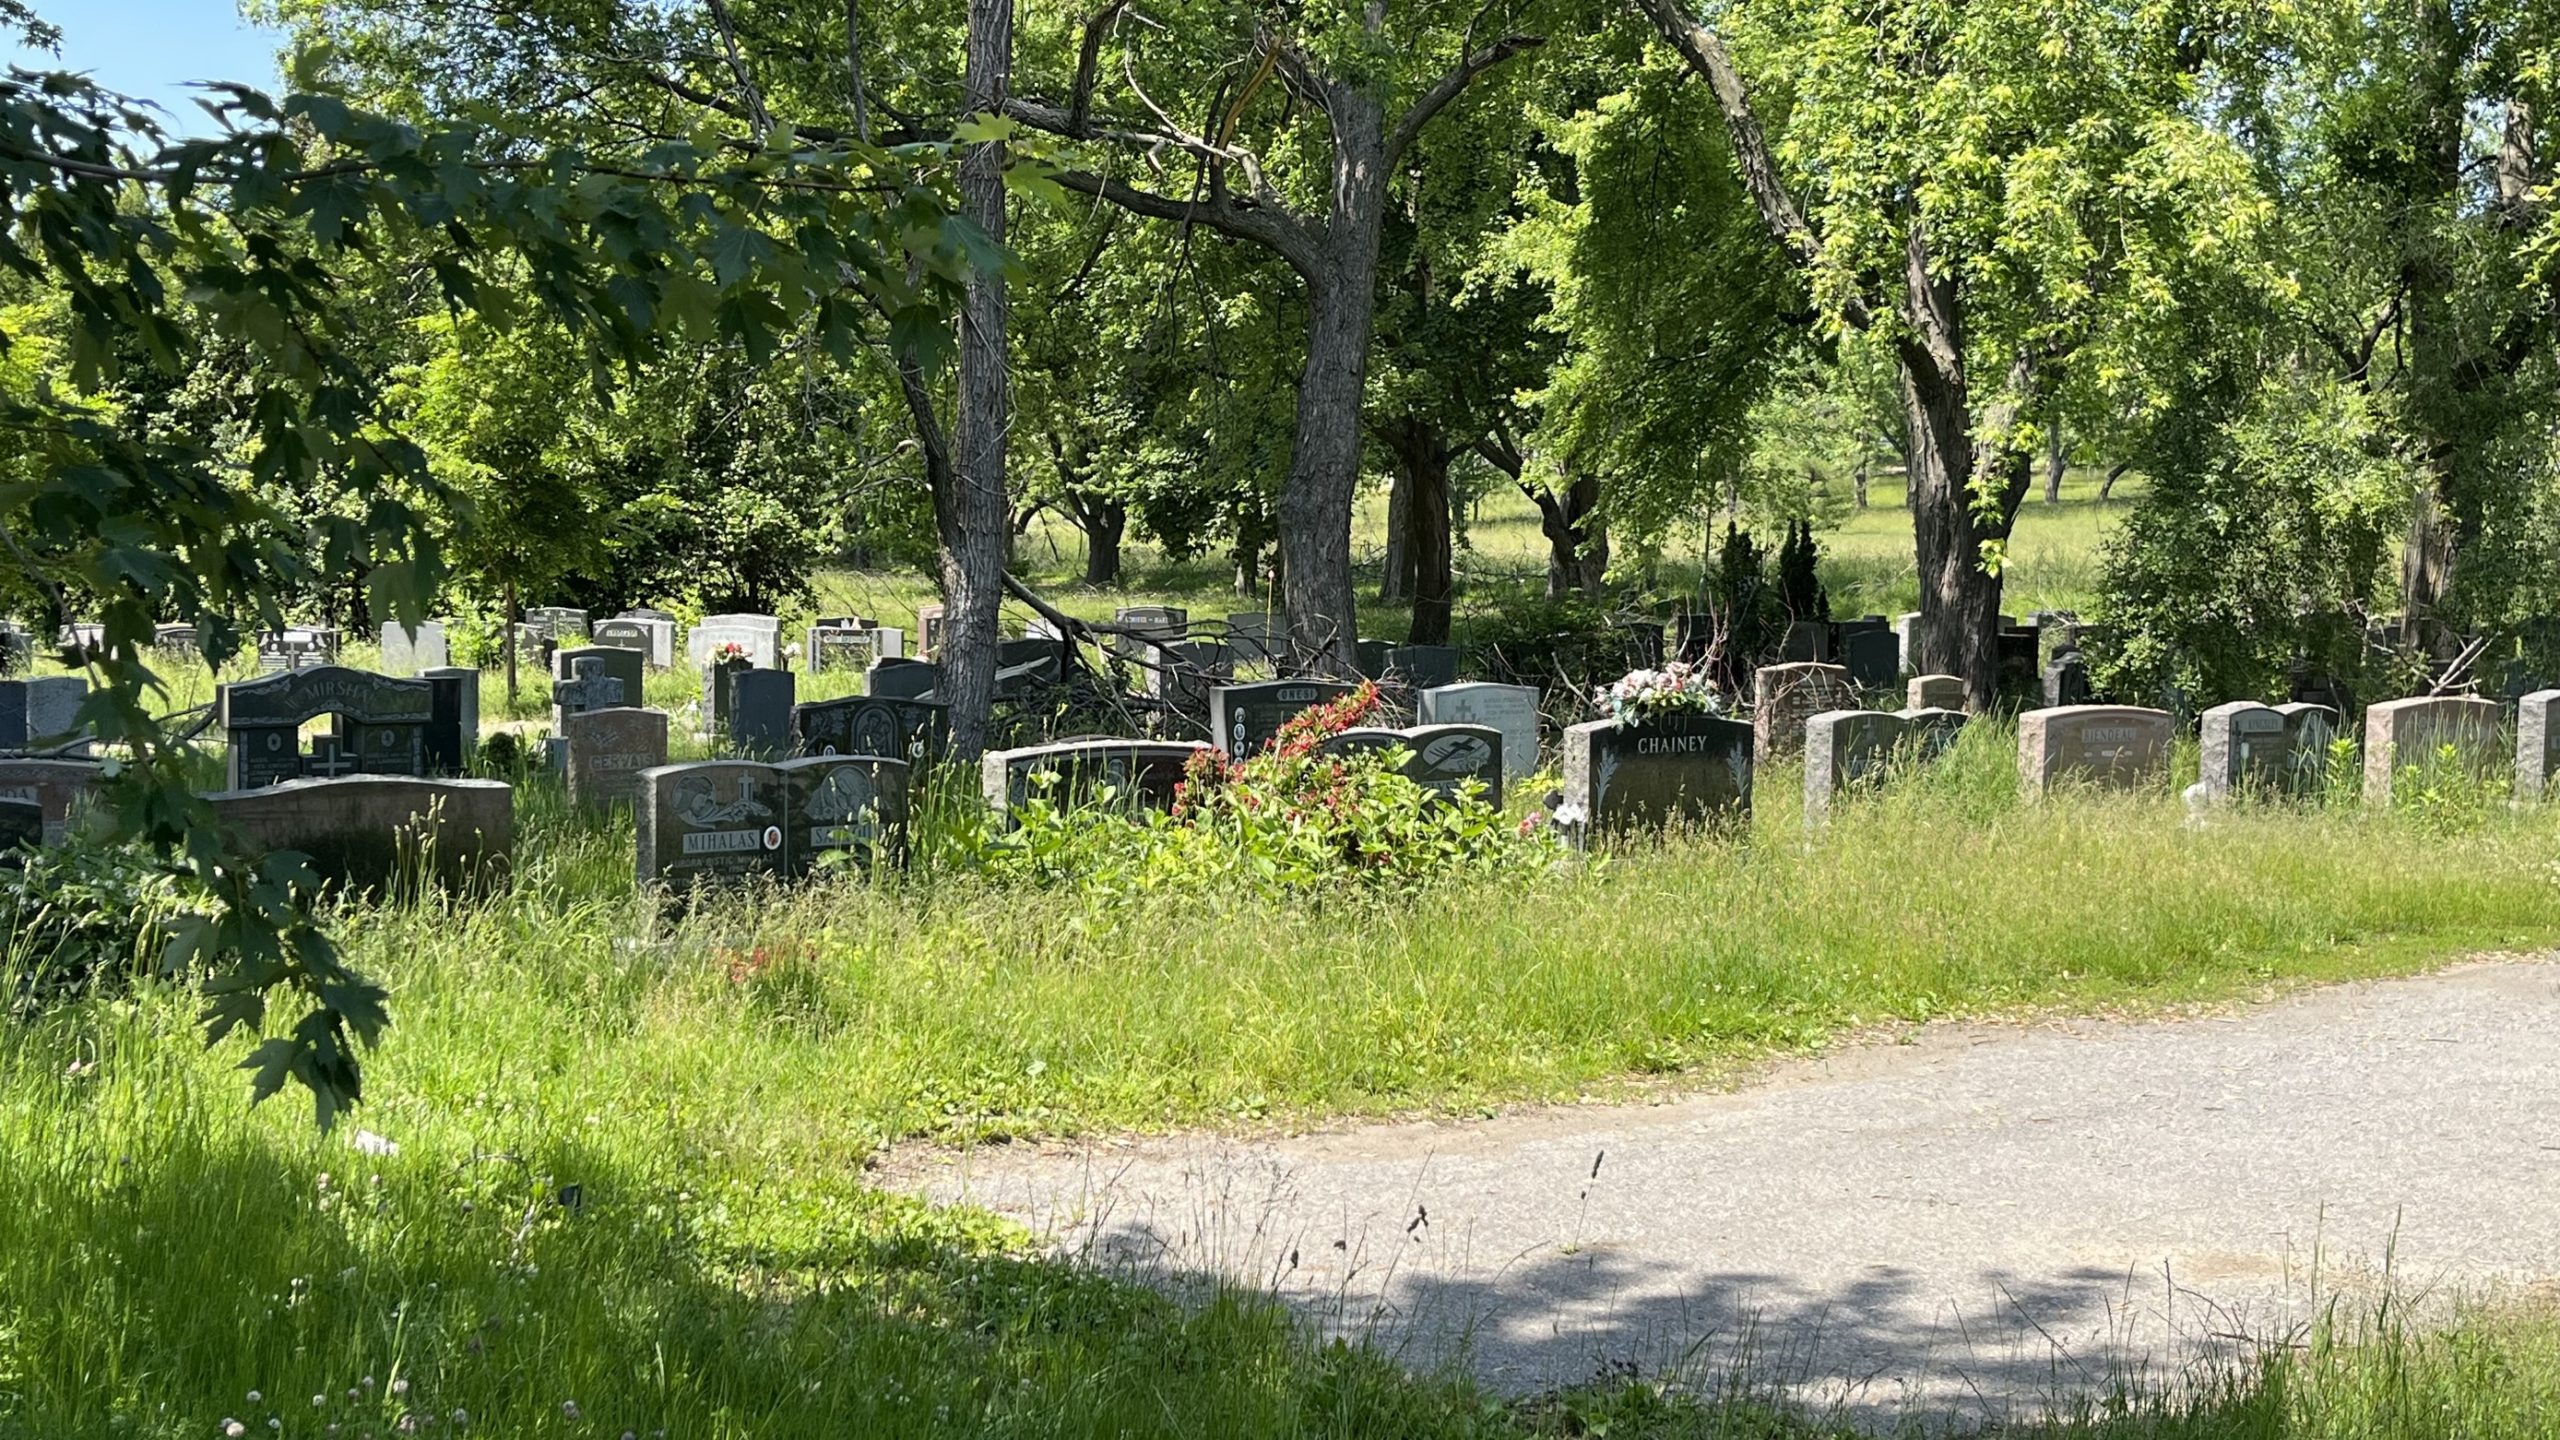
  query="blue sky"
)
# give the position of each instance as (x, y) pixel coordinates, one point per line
(151, 48)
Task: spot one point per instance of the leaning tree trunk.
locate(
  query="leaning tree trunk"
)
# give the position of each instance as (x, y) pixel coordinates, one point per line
(970, 510)
(2054, 462)
(1324, 471)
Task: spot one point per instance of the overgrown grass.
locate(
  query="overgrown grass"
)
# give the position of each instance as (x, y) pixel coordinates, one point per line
(630, 1167)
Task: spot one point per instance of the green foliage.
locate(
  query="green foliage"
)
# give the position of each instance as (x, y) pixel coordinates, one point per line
(1799, 586)
(1292, 821)
(164, 247)
(2269, 551)
(80, 919)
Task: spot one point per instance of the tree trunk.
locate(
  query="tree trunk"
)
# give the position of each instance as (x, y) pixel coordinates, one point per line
(1858, 479)
(2427, 279)
(2107, 486)
(1959, 598)
(970, 510)
(1250, 540)
(1577, 544)
(1422, 467)
(2053, 462)
(508, 642)
(1104, 523)
(1395, 577)
(1324, 470)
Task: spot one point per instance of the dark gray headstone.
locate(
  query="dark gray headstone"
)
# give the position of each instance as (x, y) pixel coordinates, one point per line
(17, 650)
(591, 685)
(917, 731)
(369, 832)
(13, 714)
(381, 725)
(1423, 666)
(2265, 750)
(1185, 672)
(2021, 658)
(2066, 680)
(1873, 657)
(453, 718)
(760, 711)
(608, 749)
(1252, 637)
(629, 667)
(21, 830)
(717, 822)
(1447, 757)
(853, 805)
(1139, 774)
(902, 679)
(1369, 657)
(1808, 642)
(1686, 768)
(1645, 640)
(562, 623)
(619, 634)
(1243, 718)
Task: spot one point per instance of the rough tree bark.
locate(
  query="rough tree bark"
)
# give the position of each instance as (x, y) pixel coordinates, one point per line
(1950, 476)
(1335, 254)
(1422, 454)
(1395, 574)
(969, 510)
(2054, 462)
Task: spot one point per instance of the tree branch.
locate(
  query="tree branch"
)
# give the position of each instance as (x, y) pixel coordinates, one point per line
(1448, 87)
(1262, 219)
(1704, 51)
(1088, 62)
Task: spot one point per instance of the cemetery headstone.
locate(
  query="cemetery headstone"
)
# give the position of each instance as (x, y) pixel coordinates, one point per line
(897, 678)
(760, 711)
(1251, 637)
(710, 822)
(17, 650)
(854, 805)
(2114, 747)
(1140, 774)
(55, 788)
(1935, 692)
(407, 651)
(1845, 748)
(1423, 666)
(917, 731)
(1807, 642)
(1151, 622)
(841, 647)
(2537, 746)
(2267, 750)
(372, 832)
(1784, 697)
(1644, 641)
(1510, 710)
(1873, 657)
(607, 749)
(175, 639)
(640, 637)
(1689, 768)
(559, 622)
(1446, 757)
(757, 637)
(1184, 673)
(2411, 734)
(82, 636)
(1243, 718)
(21, 830)
(1906, 630)
(930, 618)
(627, 668)
(593, 687)
(283, 651)
(380, 725)
(1369, 658)
(2066, 680)
(453, 717)
(2021, 677)
(52, 710)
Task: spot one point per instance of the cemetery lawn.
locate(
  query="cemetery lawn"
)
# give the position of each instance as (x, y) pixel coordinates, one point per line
(630, 1174)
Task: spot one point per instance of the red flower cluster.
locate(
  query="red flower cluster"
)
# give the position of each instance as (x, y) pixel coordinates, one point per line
(1318, 723)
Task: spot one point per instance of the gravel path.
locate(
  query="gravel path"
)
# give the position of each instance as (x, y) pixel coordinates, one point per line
(1981, 1223)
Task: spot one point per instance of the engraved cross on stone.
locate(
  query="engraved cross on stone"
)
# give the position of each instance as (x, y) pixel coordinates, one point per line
(326, 759)
(593, 689)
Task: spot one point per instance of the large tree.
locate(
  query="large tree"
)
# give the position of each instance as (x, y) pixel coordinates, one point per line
(1990, 184)
(1286, 130)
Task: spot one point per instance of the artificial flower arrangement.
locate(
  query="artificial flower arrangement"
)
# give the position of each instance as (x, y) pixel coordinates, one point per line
(729, 652)
(1678, 688)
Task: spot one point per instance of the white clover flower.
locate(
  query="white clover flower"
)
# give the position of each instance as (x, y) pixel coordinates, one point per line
(400, 1386)
(255, 1397)
(234, 1429)
(461, 1418)
(319, 1402)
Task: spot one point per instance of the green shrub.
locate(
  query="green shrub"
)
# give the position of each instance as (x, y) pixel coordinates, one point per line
(79, 918)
